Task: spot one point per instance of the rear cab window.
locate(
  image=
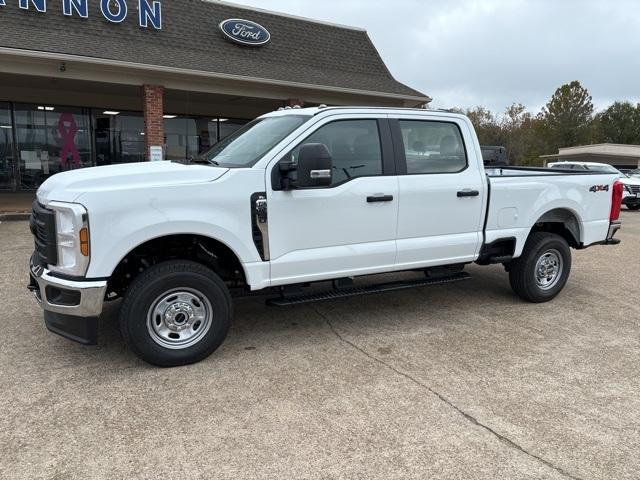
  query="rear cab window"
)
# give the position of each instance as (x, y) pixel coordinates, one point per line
(432, 147)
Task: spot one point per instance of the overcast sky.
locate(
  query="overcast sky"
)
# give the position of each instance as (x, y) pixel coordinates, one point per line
(495, 52)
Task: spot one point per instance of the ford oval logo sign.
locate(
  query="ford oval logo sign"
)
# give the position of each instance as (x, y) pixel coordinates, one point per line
(245, 32)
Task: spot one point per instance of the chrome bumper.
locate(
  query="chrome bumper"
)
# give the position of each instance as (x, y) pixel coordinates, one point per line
(67, 297)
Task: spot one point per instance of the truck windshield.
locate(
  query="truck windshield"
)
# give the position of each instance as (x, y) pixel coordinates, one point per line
(246, 146)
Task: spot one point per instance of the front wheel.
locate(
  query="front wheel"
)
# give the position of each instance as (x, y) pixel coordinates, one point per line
(175, 313)
(542, 270)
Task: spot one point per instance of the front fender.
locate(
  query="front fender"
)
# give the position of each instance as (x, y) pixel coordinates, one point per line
(221, 210)
(105, 261)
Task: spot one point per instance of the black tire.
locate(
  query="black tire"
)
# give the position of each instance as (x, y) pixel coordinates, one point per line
(142, 297)
(633, 207)
(522, 271)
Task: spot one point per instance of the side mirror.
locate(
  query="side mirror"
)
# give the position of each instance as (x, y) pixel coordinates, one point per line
(313, 169)
(314, 166)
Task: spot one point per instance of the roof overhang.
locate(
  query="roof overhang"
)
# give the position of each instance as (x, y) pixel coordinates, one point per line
(116, 71)
(570, 156)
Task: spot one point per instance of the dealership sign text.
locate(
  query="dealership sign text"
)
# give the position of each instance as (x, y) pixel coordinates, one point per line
(114, 11)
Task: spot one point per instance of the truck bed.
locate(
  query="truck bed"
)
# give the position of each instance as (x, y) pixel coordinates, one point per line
(534, 171)
(520, 196)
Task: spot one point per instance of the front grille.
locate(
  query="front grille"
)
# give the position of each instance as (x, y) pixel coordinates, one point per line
(635, 189)
(43, 228)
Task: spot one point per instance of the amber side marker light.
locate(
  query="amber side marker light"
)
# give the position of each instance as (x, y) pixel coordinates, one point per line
(84, 242)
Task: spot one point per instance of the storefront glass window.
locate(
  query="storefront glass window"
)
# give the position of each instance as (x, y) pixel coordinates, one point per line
(50, 139)
(119, 137)
(38, 140)
(228, 126)
(7, 178)
(188, 136)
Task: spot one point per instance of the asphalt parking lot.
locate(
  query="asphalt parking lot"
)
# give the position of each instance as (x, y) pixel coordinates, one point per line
(453, 381)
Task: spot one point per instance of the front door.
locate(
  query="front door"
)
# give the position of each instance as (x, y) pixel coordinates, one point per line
(441, 193)
(347, 228)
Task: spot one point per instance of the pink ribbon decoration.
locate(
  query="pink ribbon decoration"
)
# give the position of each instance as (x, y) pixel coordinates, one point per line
(68, 129)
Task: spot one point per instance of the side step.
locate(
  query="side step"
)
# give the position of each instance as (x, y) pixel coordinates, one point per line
(365, 290)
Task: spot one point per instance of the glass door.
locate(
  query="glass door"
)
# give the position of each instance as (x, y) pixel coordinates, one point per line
(119, 137)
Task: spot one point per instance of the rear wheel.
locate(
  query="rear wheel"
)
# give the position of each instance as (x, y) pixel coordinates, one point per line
(542, 270)
(176, 313)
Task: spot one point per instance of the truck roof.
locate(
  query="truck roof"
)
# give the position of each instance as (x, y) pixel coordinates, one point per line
(322, 109)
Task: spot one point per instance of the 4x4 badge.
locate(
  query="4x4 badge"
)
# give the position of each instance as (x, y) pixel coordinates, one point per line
(599, 188)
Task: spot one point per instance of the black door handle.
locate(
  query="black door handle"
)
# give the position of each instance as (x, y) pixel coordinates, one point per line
(380, 198)
(468, 193)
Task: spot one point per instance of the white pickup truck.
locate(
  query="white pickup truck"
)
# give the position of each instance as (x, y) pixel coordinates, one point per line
(295, 197)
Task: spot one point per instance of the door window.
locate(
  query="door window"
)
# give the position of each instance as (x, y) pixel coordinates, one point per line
(432, 147)
(354, 146)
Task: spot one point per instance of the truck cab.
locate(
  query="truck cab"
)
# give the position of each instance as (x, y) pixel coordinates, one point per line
(295, 197)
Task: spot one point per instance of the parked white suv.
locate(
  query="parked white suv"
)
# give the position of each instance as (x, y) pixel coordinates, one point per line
(631, 195)
(295, 197)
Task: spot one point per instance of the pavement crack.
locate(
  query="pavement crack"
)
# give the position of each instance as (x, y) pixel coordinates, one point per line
(507, 441)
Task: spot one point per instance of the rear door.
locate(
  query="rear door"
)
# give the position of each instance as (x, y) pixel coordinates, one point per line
(442, 191)
(347, 228)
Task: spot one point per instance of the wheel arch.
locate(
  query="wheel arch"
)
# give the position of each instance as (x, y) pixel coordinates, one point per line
(203, 249)
(561, 221)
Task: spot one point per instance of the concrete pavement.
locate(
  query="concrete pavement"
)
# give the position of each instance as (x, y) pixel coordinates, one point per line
(454, 381)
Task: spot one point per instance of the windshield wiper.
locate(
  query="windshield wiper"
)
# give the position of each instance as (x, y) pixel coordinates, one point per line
(202, 160)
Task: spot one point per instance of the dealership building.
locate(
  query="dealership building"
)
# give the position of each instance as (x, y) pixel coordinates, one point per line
(99, 82)
(620, 156)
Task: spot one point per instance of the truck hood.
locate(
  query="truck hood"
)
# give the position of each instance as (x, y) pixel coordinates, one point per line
(68, 186)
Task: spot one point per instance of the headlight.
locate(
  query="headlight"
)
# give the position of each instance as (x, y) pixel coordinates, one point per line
(72, 238)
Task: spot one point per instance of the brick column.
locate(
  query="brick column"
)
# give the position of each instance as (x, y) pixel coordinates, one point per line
(153, 99)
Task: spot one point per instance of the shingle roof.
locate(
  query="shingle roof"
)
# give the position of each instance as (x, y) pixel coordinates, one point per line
(300, 50)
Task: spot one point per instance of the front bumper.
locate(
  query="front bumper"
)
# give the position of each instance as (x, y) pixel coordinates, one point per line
(71, 307)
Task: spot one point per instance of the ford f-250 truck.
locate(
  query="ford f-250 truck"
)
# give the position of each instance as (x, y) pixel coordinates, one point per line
(295, 197)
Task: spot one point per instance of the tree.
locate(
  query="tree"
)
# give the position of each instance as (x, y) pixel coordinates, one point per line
(620, 123)
(516, 130)
(566, 118)
(486, 125)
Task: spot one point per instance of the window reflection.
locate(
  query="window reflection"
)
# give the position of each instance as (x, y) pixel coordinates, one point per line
(40, 140)
(228, 126)
(119, 137)
(50, 140)
(190, 136)
(7, 177)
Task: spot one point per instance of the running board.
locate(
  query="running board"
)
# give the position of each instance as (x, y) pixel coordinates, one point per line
(365, 290)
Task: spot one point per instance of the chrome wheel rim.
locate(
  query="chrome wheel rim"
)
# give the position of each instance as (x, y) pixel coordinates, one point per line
(179, 318)
(549, 269)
